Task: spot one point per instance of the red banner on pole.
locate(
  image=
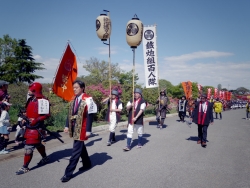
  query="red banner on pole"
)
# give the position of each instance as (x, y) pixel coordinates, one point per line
(66, 75)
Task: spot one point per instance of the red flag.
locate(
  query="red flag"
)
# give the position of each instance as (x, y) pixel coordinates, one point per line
(66, 75)
(187, 87)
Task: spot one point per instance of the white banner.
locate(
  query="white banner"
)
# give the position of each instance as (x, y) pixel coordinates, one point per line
(43, 106)
(150, 56)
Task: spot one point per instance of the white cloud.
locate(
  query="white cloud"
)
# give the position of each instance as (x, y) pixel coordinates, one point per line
(197, 55)
(105, 50)
(228, 74)
(37, 57)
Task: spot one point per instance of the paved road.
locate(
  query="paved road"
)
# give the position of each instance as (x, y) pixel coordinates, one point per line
(169, 158)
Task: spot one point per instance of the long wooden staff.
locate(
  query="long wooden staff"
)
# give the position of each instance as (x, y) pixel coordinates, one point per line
(133, 87)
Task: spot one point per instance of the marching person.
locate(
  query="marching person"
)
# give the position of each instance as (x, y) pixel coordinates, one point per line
(182, 105)
(203, 117)
(247, 109)
(161, 111)
(79, 126)
(113, 114)
(37, 110)
(136, 123)
(218, 106)
(4, 124)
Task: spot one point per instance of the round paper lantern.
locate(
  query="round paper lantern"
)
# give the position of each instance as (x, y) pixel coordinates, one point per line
(134, 32)
(103, 27)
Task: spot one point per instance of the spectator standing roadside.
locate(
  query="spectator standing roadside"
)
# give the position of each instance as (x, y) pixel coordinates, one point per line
(4, 124)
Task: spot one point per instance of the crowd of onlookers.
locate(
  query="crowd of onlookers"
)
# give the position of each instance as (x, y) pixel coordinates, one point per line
(5, 126)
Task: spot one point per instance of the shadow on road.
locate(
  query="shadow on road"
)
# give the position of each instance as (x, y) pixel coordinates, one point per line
(91, 143)
(144, 140)
(154, 123)
(96, 159)
(194, 138)
(56, 156)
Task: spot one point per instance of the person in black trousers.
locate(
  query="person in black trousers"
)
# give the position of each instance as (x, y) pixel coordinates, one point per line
(78, 125)
(203, 117)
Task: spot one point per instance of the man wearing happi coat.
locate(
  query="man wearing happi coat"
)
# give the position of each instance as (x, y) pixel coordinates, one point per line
(203, 117)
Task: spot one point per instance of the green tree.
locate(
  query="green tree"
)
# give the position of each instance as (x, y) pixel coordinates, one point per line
(7, 47)
(99, 71)
(18, 64)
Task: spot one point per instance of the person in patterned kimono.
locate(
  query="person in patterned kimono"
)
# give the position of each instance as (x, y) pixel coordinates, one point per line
(161, 111)
(79, 126)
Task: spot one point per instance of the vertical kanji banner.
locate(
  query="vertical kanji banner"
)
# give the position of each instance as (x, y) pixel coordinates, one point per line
(199, 88)
(66, 75)
(187, 88)
(150, 57)
(215, 93)
(209, 92)
(221, 94)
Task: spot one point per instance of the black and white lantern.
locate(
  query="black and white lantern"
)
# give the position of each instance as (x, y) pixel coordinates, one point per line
(134, 32)
(103, 27)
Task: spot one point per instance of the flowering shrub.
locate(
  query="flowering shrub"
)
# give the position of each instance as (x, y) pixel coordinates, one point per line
(100, 92)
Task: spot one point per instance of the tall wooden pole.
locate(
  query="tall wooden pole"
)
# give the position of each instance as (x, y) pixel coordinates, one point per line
(133, 87)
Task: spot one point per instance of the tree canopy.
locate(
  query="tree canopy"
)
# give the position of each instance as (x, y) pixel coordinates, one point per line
(16, 61)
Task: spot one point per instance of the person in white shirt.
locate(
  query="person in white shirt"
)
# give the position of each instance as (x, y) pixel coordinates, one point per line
(4, 127)
(135, 121)
(113, 114)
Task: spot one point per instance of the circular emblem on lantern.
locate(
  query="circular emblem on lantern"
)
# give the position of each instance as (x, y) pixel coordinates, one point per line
(98, 24)
(149, 34)
(132, 29)
(68, 65)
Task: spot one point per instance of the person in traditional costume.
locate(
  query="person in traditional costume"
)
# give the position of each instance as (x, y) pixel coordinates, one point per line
(203, 117)
(182, 106)
(247, 110)
(34, 132)
(79, 126)
(190, 106)
(113, 114)
(162, 108)
(218, 108)
(135, 121)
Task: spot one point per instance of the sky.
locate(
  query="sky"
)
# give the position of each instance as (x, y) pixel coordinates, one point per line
(202, 41)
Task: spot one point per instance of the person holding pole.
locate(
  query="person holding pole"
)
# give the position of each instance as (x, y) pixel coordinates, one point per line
(135, 107)
(113, 114)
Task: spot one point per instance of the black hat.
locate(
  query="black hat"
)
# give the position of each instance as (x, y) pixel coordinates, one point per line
(114, 92)
(3, 82)
(138, 90)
